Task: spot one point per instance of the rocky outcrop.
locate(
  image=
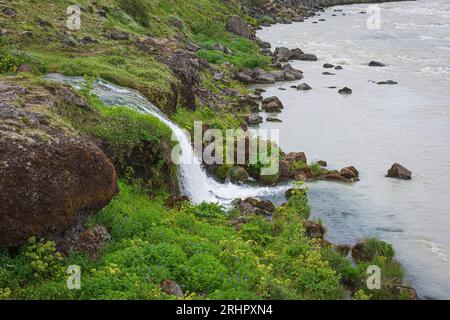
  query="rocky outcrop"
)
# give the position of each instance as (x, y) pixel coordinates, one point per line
(171, 288)
(283, 54)
(255, 206)
(313, 229)
(238, 26)
(237, 174)
(349, 173)
(50, 177)
(272, 104)
(399, 171)
(176, 201)
(303, 87)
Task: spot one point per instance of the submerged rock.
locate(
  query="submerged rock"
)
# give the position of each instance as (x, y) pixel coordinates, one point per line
(376, 64)
(345, 90)
(399, 171)
(303, 86)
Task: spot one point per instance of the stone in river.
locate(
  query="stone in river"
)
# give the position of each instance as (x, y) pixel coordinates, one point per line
(345, 90)
(399, 171)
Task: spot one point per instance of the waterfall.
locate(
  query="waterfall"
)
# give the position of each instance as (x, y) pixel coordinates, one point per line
(193, 179)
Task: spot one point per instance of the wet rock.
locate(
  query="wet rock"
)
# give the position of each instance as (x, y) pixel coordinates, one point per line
(360, 254)
(269, 179)
(176, 201)
(308, 57)
(264, 77)
(338, 68)
(238, 174)
(253, 119)
(238, 26)
(387, 82)
(250, 102)
(399, 171)
(255, 206)
(272, 119)
(172, 288)
(328, 65)
(376, 64)
(322, 163)
(328, 73)
(272, 104)
(334, 176)
(313, 229)
(303, 86)
(296, 156)
(282, 54)
(285, 169)
(349, 172)
(345, 90)
(296, 54)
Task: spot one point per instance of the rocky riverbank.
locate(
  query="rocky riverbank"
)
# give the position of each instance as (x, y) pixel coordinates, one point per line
(65, 156)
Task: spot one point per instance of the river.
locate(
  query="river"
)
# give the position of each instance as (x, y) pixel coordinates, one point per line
(376, 126)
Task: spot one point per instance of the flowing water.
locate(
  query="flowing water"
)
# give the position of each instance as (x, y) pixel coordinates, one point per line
(376, 126)
(193, 179)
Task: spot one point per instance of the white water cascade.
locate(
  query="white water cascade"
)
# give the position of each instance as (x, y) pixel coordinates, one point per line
(193, 179)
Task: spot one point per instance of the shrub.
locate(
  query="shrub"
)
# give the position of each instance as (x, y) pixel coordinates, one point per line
(138, 9)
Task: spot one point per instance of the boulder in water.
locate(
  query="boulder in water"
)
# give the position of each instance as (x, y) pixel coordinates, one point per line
(376, 64)
(399, 171)
(272, 104)
(328, 65)
(238, 174)
(304, 87)
(345, 90)
(349, 172)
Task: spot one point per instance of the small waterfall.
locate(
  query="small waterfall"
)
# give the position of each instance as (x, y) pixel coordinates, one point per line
(193, 179)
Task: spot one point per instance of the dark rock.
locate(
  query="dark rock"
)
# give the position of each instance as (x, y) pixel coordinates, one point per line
(102, 13)
(238, 26)
(328, 65)
(345, 90)
(322, 163)
(44, 24)
(249, 102)
(328, 73)
(285, 169)
(360, 254)
(272, 104)
(303, 174)
(303, 86)
(308, 57)
(49, 179)
(387, 82)
(272, 119)
(255, 206)
(176, 201)
(403, 291)
(253, 119)
(117, 34)
(313, 229)
(338, 68)
(238, 174)
(376, 64)
(282, 54)
(172, 288)
(334, 176)
(296, 156)
(349, 172)
(88, 241)
(296, 54)
(244, 77)
(399, 171)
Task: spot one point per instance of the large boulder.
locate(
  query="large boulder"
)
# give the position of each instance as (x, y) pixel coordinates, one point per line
(399, 171)
(272, 104)
(282, 54)
(349, 173)
(296, 156)
(238, 174)
(50, 177)
(238, 26)
(313, 229)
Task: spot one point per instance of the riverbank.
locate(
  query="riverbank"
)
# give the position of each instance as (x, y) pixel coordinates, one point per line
(190, 77)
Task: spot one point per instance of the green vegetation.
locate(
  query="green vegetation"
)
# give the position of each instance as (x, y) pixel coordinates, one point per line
(196, 246)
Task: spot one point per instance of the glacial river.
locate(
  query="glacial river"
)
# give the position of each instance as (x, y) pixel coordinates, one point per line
(376, 126)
